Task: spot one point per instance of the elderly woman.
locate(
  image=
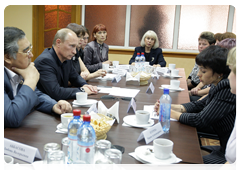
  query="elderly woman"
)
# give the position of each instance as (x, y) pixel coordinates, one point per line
(77, 59)
(96, 52)
(150, 47)
(218, 109)
(231, 144)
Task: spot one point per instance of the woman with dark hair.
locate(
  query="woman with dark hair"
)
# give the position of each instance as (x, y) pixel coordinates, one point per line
(85, 38)
(77, 59)
(150, 47)
(218, 109)
(96, 52)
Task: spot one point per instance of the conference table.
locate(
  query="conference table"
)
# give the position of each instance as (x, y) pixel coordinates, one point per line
(39, 128)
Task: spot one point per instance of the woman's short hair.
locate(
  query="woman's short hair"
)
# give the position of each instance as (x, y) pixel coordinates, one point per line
(227, 43)
(151, 34)
(96, 28)
(218, 36)
(228, 35)
(209, 36)
(11, 37)
(78, 29)
(231, 60)
(215, 58)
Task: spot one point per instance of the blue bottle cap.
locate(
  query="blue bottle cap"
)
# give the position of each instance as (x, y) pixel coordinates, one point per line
(165, 91)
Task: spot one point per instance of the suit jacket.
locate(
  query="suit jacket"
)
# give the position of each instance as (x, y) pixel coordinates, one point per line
(92, 56)
(18, 107)
(218, 110)
(54, 76)
(156, 56)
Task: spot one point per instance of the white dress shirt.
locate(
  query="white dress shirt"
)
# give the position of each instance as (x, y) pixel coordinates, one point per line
(231, 147)
(15, 80)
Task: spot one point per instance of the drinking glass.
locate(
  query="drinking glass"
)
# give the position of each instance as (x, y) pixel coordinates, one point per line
(79, 165)
(114, 155)
(56, 157)
(100, 148)
(49, 147)
(104, 164)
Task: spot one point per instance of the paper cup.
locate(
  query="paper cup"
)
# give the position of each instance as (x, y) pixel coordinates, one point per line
(162, 148)
(115, 64)
(105, 67)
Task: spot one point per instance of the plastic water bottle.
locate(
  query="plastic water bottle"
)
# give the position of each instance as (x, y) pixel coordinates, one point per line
(142, 61)
(86, 141)
(72, 136)
(137, 62)
(165, 110)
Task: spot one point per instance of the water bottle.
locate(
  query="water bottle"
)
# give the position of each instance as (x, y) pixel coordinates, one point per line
(72, 136)
(86, 141)
(165, 110)
(142, 61)
(137, 62)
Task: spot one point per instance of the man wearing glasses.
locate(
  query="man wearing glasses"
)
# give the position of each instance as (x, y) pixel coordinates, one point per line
(20, 80)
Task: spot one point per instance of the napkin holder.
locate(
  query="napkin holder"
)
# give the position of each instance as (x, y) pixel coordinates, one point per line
(130, 80)
(112, 112)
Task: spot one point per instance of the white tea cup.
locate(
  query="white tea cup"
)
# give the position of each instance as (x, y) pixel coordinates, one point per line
(174, 84)
(174, 72)
(171, 66)
(115, 64)
(162, 148)
(8, 159)
(81, 97)
(65, 119)
(142, 117)
(105, 67)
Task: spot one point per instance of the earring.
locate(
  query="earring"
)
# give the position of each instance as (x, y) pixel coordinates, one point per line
(219, 77)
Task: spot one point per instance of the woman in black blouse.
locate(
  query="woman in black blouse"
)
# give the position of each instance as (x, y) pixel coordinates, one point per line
(218, 109)
(152, 52)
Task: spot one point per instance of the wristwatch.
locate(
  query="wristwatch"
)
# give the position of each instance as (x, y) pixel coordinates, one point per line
(82, 89)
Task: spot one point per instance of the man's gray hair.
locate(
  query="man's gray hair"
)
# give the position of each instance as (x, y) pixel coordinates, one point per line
(11, 37)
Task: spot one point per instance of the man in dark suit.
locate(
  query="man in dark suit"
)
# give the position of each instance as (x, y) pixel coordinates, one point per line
(20, 79)
(56, 69)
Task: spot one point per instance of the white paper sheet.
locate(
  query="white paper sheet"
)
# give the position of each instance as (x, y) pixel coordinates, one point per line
(124, 92)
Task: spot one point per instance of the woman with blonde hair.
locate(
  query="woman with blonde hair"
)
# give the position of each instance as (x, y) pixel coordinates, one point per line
(150, 48)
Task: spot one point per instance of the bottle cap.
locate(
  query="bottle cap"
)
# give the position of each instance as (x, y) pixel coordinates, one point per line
(86, 118)
(165, 91)
(138, 53)
(142, 53)
(76, 112)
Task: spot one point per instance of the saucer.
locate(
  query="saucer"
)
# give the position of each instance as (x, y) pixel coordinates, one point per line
(59, 127)
(168, 75)
(88, 102)
(169, 87)
(143, 154)
(131, 120)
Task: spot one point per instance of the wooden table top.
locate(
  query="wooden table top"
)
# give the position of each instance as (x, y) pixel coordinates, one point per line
(39, 128)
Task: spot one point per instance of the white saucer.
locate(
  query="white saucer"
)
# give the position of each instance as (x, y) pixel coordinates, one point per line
(169, 87)
(143, 154)
(131, 120)
(59, 127)
(87, 103)
(168, 75)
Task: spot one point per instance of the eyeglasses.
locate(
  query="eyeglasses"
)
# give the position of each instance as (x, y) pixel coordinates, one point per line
(28, 52)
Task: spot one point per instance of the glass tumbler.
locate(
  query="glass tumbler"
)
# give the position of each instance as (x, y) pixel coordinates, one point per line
(56, 157)
(114, 155)
(103, 164)
(100, 147)
(48, 148)
(79, 165)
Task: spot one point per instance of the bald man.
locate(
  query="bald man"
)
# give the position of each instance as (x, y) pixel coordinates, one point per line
(56, 69)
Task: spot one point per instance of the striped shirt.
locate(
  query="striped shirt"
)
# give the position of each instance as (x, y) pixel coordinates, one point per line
(218, 110)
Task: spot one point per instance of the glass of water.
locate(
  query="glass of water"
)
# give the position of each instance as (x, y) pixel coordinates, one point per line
(114, 155)
(100, 147)
(56, 157)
